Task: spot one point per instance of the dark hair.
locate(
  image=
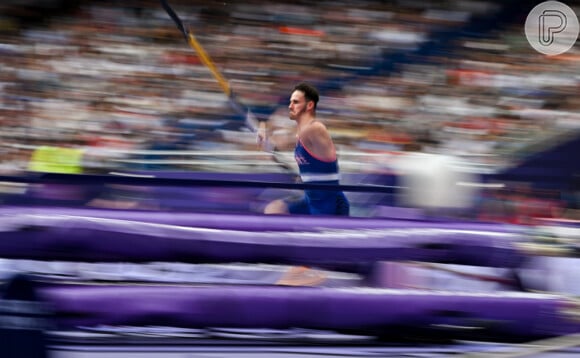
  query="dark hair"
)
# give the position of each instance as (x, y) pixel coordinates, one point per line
(310, 92)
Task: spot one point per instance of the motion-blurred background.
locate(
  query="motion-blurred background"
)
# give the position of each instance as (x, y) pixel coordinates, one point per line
(442, 110)
(117, 81)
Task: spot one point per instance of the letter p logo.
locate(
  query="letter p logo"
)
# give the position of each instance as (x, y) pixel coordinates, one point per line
(551, 22)
(552, 28)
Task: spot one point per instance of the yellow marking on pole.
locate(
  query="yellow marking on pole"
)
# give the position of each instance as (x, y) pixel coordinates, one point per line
(207, 61)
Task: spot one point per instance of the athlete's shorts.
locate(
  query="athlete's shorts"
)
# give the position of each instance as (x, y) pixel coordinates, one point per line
(320, 202)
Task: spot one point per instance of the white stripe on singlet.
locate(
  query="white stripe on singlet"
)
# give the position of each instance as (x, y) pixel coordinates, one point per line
(319, 177)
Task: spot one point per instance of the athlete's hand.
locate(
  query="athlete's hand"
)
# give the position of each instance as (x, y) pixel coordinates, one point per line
(262, 136)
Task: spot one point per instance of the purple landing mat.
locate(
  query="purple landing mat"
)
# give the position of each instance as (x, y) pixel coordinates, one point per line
(167, 272)
(199, 349)
(91, 239)
(557, 275)
(376, 311)
(256, 222)
(166, 342)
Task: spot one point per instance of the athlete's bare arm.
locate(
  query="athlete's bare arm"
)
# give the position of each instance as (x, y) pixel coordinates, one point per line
(317, 140)
(276, 139)
(284, 141)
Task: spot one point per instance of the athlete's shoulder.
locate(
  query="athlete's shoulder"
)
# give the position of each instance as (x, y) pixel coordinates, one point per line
(317, 140)
(316, 128)
(318, 125)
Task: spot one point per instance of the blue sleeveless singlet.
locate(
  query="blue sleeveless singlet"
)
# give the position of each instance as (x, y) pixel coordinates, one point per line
(317, 171)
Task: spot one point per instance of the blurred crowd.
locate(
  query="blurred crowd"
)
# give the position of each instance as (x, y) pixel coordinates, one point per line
(116, 79)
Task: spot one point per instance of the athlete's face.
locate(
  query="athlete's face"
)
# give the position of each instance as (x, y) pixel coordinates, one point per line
(298, 105)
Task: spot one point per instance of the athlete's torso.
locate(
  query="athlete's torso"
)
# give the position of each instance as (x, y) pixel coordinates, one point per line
(313, 168)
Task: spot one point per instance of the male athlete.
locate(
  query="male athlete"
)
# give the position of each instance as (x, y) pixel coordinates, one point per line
(315, 155)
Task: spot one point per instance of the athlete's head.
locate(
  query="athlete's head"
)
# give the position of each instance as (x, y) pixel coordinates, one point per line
(304, 99)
